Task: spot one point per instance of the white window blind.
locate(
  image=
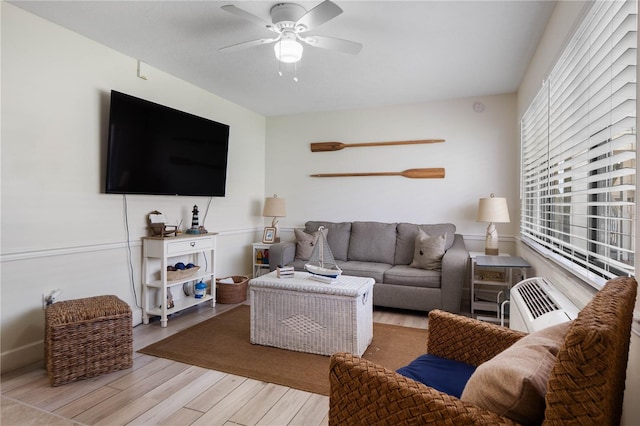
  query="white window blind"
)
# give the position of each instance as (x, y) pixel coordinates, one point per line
(579, 149)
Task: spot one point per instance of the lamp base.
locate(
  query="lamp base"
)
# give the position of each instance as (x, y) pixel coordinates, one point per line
(491, 251)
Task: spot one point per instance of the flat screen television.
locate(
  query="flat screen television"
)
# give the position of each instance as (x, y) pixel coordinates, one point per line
(157, 150)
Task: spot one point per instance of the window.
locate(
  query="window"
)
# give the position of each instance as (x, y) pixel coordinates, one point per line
(579, 149)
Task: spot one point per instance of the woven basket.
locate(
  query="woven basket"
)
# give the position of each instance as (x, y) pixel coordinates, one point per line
(232, 293)
(181, 274)
(86, 338)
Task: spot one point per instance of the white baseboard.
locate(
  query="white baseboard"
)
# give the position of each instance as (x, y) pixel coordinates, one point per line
(24, 355)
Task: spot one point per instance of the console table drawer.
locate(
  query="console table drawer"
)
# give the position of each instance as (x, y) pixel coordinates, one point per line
(189, 245)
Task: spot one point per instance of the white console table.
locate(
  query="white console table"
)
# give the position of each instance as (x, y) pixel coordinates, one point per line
(160, 252)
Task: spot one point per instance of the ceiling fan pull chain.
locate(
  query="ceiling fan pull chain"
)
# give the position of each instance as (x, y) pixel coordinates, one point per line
(295, 72)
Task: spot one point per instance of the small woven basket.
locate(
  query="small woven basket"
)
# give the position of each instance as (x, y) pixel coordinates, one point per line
(232, 293)
(182, 273)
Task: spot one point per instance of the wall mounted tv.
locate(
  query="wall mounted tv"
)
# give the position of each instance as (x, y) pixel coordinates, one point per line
(157, 150)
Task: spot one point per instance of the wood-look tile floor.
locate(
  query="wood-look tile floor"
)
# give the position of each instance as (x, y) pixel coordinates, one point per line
(157, 391)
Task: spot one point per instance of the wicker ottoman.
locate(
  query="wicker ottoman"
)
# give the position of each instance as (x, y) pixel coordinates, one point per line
(305, 315)
(86, 338)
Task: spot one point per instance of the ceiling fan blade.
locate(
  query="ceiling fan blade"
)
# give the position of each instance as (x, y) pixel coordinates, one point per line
(247, 44)
(246, 15)
(317, 16)
(344, 46)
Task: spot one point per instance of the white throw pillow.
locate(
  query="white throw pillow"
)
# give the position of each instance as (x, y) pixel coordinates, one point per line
(428, 251)
(306, 242)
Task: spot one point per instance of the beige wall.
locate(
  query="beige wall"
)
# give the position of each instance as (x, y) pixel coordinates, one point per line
(478, 156)
(59, 230)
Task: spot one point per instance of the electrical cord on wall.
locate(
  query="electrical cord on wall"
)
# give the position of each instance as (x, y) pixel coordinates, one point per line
(126, 226)
(206, 212)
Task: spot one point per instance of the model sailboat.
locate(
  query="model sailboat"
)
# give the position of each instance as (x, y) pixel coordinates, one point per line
(322, 261)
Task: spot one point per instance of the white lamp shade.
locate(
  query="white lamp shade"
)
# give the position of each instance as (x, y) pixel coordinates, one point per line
(274, 207)
(288, 51)
(493, 209)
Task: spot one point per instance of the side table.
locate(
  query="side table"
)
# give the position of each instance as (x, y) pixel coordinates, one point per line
(491, 279)
(260, 259)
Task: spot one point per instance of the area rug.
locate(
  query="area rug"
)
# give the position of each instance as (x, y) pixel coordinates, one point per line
(222, 343)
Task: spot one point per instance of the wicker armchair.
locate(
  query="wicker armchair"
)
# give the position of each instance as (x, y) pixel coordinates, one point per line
(586, 385)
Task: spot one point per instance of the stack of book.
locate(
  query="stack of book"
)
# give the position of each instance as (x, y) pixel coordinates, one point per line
(285, 272)
(323, 279)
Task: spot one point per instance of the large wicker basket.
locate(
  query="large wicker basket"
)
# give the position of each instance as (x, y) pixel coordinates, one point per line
(87, 337)
(232, 293)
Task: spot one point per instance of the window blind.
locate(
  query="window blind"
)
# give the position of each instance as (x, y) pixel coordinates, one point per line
(579, 149)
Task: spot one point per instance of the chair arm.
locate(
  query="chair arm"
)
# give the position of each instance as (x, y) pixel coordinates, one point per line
(454, 270)
(363, 393)
(281, 254)
(466, 339)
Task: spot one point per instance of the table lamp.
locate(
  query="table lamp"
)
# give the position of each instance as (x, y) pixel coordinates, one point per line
(492, 210)
(273, 207)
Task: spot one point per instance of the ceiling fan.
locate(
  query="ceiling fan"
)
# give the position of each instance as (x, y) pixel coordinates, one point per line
(289, 22)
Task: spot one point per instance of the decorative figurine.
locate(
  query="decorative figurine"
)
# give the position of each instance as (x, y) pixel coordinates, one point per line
(194, 222)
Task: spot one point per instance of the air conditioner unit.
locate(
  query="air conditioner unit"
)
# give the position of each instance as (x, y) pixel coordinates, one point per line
(536, 304)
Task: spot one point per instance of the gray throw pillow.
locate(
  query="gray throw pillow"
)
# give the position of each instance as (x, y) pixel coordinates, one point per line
(428, 251)
(306, 242)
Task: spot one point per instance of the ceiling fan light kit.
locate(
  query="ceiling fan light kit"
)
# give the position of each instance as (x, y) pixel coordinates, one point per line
(288, 51)
(289, 20)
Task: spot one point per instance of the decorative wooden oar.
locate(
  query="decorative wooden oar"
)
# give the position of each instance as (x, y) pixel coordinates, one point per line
(337, 146)
(432, 173)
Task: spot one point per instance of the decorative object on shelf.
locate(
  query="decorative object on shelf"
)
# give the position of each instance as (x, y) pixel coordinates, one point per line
(175, 273)
(273, 207)
(170, 303)
(195, 229)
(491, 275)
(269, 236)
(158, 227)
(322, 261)
(337, 146)
(431, 173)
(493, 210)
(200, 289)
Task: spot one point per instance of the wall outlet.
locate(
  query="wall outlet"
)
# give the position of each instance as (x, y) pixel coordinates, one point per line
(51, 298)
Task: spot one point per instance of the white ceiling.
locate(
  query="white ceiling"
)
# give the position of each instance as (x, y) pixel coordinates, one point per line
(414, 51)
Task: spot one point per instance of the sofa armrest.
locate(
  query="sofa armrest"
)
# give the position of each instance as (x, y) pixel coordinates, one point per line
(466, 339)
(281, 254)
(454, 273)
(363, 393)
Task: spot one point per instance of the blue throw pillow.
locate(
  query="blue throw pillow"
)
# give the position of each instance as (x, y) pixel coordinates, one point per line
(443, 374)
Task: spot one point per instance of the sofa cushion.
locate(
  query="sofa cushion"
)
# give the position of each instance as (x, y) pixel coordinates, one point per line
(514, 382)
(446, 375)
(372, 242)
(305, 243)
(428, 251)
(406, 238)
(365, 269)
(338, 236)
(413, 277)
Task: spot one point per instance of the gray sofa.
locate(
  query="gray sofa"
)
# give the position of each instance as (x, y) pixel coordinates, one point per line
(384, 251)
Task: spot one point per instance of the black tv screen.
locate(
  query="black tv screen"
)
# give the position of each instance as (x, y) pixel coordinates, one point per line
(154, 149)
